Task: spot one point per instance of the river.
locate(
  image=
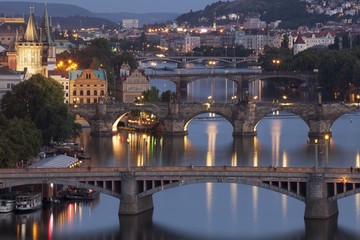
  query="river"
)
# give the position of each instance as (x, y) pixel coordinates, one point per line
(205, 211)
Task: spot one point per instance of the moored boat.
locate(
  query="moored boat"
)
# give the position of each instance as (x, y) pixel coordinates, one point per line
(80, 194)
(8, 202)
(28, 201)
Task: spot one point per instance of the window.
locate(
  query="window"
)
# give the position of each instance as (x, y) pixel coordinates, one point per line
(95, 93)
(81, 92)
(74, 92)
(88, 100)
(102, 93)
(88, 76)
(88, 93)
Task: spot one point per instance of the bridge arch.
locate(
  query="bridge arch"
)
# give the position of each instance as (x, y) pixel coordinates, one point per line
(123, 114)
(205, 111)
(221, 180)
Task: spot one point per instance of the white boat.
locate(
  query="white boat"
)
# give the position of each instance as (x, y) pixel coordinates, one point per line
(8, 201)
(28, 201)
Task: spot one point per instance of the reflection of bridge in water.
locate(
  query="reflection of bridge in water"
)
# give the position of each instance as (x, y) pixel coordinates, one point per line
(318, 188)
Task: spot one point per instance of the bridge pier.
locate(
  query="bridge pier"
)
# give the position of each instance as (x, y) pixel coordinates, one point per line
(130, 203)
(319, 129)
(317, 205)
(101, 123)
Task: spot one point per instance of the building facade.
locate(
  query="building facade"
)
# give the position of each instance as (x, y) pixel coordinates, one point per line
(10, 78)
(130, 85)
(87, 86)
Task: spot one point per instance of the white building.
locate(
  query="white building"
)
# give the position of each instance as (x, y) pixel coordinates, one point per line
(10, 78)
(130, 23)
(322, 38)
(61, 77)
(191, 42)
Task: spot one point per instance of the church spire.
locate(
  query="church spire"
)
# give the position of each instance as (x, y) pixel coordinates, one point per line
(30, 33)
(46, 28)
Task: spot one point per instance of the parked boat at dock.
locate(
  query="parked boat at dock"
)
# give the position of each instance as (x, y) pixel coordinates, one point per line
(81, 194)
(8, 202)
(28, 201)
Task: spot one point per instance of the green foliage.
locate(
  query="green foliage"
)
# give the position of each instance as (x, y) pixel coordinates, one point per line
(41, 100)
(166, 96)
(19, 140)
(151, 95)
(292, 13)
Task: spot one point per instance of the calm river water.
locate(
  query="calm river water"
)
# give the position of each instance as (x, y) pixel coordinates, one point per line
(205, 211)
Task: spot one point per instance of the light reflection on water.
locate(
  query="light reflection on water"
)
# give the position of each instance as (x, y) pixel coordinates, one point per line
(205, 211)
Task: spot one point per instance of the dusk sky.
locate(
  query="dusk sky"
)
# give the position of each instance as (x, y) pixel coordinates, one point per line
(136, 6)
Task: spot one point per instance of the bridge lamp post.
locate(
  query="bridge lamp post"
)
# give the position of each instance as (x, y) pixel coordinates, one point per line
(327, 138)
(358, 99)
(276, 63)
(316, 153)
(285, 98)
(233, 99)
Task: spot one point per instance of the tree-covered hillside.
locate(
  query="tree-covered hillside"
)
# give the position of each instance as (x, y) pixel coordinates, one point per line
(292, 13)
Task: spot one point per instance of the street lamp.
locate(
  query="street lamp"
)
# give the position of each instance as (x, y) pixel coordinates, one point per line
(327, 138)
(233, 99)
(285, 98)
(316, 153)
(358, 99)
(276, 62)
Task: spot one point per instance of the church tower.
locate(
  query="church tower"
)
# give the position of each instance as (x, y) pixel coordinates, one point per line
(49, 49)
(37, 50)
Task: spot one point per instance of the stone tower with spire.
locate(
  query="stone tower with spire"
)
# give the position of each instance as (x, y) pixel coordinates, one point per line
(36, 51)
(49, 50)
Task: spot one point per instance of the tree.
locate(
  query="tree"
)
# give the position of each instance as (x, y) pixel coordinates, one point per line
(151, 95)
(41, 100)
(166, 96)
(19, 141)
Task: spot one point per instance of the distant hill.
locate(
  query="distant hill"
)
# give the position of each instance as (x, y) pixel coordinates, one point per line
(292, 13)
(72, 16)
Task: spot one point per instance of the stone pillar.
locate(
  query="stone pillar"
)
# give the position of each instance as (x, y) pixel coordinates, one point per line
(319, 129)
(101, 123)
(173, 124)
(183, 90)
(48, 191)
(317, 205)
(239, 93)
(130, 204)
(177, 92)
(243, 128)
(245, 120)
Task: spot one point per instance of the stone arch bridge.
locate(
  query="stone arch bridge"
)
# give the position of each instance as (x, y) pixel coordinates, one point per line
(173, 117)
(318, 188)
(241, 79)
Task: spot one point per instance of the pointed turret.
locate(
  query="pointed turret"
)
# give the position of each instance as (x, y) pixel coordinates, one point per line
(30, 33)
(46, 28)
